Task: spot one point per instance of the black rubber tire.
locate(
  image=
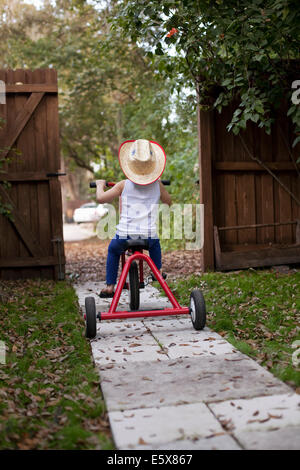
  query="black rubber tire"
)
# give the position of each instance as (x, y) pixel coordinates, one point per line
(197, 309)
(90, 317)
(134, 287)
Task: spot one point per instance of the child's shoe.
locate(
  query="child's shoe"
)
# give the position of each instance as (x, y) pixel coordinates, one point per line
(104, 294)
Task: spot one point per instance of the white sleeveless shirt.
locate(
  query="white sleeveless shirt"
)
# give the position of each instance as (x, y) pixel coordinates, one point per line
(139, 210)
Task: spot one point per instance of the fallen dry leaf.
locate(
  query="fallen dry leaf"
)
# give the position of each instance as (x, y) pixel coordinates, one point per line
(142, 442)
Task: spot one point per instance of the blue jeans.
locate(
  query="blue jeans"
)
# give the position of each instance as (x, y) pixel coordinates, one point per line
(116, 247)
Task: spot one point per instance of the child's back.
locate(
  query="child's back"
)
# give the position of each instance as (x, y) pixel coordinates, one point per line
(139, 206)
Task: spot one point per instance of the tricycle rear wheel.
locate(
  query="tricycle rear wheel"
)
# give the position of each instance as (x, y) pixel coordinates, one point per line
(198, 309)
(90, 317)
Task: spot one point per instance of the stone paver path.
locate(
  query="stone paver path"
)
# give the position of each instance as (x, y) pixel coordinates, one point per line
(167, 386)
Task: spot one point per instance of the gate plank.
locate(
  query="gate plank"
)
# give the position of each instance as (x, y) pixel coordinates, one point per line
(56, 222)
(262, 257)
(11, 241)
(230, 207)
(21, 121)
(285, 210)
(27, 262)
(266, 235)
(4, 223)
(31, 88)
(52, 124)
(253, 166)
(31, 164)
(266, 154)
(24, 232)
(43, 163)
(54, 184)
(246, 207)
(295, 187)
(23, 203)
(24, 176)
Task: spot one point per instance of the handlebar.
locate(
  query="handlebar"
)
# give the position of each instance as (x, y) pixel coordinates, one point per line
(93, 184)
(110, 184)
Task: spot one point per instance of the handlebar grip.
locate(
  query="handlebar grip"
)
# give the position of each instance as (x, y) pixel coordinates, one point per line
(166, 182)
(92, 184)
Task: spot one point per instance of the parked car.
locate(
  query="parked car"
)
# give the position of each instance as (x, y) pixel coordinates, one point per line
(89, 212)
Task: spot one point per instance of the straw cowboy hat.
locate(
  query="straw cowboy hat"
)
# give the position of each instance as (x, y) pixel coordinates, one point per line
(142, 161)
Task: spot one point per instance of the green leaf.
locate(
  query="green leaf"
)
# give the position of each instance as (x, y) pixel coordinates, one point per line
(159, 50)
(296, 141)
(259, 107)
(291, 110)
(255, 117)
(227, 81)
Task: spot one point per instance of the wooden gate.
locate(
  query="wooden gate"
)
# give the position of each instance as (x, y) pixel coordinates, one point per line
(31, 242)
(250, 188)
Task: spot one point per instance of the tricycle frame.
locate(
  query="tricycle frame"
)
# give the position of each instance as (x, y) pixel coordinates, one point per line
(112, 314)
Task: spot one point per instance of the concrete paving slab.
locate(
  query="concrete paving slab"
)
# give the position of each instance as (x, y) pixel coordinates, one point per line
(122, 328)
(110, 353)
(260, 413)
(222, 442)
(156, 426)
(180, 322)
(179, 339)
(287, 438)
(173, 382)
(122, 342)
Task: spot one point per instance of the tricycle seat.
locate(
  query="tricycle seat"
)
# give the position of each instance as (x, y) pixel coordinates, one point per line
(137, 245)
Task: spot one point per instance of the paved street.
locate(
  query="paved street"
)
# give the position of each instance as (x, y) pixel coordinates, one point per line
(78, 232)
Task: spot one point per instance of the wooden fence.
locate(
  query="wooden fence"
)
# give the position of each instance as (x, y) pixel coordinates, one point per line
(31, 243)
(250, 188)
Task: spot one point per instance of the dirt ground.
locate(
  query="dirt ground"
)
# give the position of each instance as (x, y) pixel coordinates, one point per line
(86, 260)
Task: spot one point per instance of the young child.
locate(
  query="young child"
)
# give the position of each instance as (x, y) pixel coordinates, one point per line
(142, 162)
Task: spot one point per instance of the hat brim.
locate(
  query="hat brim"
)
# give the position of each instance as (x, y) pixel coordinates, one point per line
(156, 172)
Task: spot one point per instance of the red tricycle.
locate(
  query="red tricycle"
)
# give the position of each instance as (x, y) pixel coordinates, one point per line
(132, 269)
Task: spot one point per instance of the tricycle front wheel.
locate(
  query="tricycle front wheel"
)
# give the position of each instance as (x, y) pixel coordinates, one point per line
(197, 309)
(134, 286)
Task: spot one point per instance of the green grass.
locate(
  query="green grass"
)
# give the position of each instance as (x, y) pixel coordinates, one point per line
(258, 311)
(49, 388)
